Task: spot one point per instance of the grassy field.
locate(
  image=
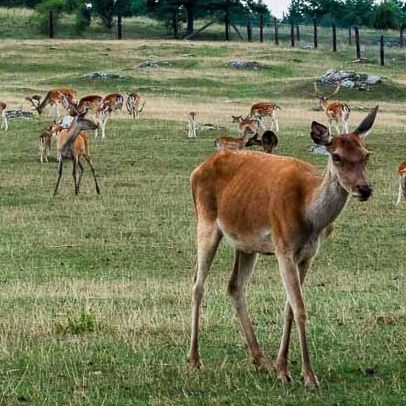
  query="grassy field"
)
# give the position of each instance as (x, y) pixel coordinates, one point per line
(95, 290)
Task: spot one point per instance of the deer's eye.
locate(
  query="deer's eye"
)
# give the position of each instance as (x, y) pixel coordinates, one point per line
(336, 159)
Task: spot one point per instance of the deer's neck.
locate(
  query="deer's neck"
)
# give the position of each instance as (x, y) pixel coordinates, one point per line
(70, 138)
(328, 200)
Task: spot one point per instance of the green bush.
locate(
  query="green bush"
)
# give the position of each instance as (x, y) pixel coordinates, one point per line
(43, 9)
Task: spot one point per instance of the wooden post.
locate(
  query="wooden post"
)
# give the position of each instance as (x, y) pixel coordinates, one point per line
(297, 33)
(249, 29)
(51, 27)
(334, 38)
(119, 28)
(276, 31)
(227, 22)
(382, 50)
(315, 32)
(261, 27)
(292, 34)
(402, 27)
(357, 44)
(349, 36)
(175, 26)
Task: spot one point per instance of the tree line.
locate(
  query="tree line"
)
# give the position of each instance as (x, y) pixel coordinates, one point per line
(179, 16)
(389, 14)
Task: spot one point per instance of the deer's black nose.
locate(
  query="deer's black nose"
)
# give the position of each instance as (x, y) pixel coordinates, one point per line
(365, 192)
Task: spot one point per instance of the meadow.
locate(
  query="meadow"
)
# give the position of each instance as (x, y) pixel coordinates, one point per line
(95, 291)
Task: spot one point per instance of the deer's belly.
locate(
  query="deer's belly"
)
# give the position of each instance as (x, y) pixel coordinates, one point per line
(259, 241)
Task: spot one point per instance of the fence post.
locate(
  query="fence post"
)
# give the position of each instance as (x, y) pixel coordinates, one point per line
(51, 27)
(334, 38)
(292, 34)
(249, 29)
(227, 25)
(357, 44)
(349, 36)
(261, 27)
(315, 32)
(382, 50)
(402, 27)
(119, 28)
(276, 31)
(297, 33)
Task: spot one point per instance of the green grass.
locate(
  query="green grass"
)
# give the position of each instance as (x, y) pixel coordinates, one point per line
(95, 290)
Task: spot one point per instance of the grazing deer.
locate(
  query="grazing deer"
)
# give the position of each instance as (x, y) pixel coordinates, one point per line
(268, 141)
(286, 210)
(337, 112)
(402, 181)
(73, 143)
(231, 143)
(133, 104)
(192, 124)
(266, 109)
(248, 124)
(115, 101)
(4, 123)
(92, 102)
(54, 98)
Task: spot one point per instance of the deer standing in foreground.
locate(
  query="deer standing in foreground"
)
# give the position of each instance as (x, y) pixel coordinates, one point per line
(4, 123)
(192, 124)
(72, 144)
(266, 109)
(268, 141)
(337, 112)
(286, 212)
(62, 96)
(133, 104)
(402, 181)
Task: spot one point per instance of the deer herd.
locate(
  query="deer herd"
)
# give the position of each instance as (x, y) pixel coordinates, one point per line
(259, 202)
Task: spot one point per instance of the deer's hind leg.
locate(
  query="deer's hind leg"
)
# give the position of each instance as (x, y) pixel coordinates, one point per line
(208, 238)
(244, 266)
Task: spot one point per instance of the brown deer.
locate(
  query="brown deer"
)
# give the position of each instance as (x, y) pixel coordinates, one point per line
(90, 102)
(54, 98)
(45, 143)
(402, 182)
(192, 124)
(266, 109)
(231, 143)
(115, 101)
(268, 141)
(4, 123)
(337, 112)
(72, 144)
(286, 211)
(247, 124)
(133, 104)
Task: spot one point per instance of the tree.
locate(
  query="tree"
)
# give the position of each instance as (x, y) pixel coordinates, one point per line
(388, 16)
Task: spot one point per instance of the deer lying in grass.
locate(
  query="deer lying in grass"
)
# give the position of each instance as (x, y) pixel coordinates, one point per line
(248, 124)
(4, 123)
(402, 181)
(231, 143)
(266, 109)
(268, 141)
(63, 96)
(72, 144)
(133, 104)
(337, 112)
(267, 204)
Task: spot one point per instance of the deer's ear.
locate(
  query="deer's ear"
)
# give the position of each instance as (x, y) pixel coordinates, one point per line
(320, 134)
(367, 123)
(269, 138)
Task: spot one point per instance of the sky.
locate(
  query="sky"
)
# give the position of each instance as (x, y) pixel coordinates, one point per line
(278, 6)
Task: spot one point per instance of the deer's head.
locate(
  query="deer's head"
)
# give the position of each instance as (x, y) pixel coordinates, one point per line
(324, 98)
(348, 156)
(83, 123)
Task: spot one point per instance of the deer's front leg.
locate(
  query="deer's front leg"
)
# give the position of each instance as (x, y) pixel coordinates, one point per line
(292, 283)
